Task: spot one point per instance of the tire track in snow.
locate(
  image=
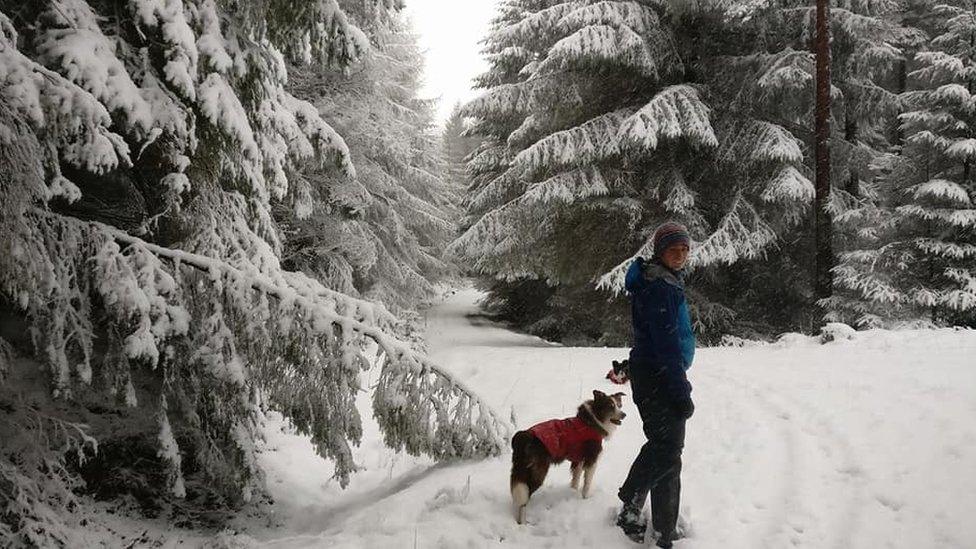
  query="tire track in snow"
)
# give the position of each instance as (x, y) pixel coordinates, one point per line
(817, 454)
(752, 430)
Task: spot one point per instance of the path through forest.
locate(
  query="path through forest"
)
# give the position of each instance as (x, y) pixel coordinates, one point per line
(866, 443)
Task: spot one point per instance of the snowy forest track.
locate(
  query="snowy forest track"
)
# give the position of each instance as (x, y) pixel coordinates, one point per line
(854, 444)
(879, 429)
(805, 461)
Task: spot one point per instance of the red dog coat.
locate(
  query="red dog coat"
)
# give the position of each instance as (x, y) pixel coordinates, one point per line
(566, 438)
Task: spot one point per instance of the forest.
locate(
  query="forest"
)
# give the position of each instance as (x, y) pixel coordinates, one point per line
(214, 208)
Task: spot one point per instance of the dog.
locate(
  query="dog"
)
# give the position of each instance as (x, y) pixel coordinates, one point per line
(578, 439)
(620, 372)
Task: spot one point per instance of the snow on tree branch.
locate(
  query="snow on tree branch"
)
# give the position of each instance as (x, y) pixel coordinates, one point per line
(76, 120)
(422, 408)
(589, 142)
(535, 27)
(600, 44)
(613, 280)
(639, 18)
(741, 234)
(499, 190)
(962, 149)
(567, 187)
(960, 218)
(675, 112)
(942, 188)
(73, 44)
(507, 99)
(940, 67)
(789, 185)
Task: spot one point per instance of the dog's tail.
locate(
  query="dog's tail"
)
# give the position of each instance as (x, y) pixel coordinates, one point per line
(520, 442)
(522, 462)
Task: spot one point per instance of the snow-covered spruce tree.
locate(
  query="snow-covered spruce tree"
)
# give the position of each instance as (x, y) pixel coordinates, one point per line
(397, 215)
(579, 107)
(764, 70)
(601, 119)
(143, 148)
(918, 260)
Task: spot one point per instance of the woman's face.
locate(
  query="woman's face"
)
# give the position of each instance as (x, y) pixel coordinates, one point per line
(675, 257)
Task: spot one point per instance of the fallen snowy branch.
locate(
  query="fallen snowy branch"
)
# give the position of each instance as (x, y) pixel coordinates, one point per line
(407, 376)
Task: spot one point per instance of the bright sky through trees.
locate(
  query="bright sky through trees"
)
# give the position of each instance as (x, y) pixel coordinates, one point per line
(449, 32)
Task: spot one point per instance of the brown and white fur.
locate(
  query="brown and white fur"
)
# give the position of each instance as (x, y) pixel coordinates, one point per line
(531, 459)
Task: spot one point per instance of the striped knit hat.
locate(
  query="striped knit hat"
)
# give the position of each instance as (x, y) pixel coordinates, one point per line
(668, 234)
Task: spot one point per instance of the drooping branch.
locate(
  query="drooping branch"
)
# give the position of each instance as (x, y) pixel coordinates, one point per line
(486, 432)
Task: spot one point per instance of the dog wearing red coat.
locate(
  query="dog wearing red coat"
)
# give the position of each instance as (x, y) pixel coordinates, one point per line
(578, 439)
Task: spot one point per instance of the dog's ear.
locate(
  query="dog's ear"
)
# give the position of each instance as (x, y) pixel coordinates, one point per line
(616, 364)
(618, 397)
(598, 393)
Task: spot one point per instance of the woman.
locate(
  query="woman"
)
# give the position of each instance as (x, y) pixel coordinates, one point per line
(664, 347)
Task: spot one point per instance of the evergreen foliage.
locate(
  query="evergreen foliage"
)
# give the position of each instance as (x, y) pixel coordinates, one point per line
(394, 219)
(602, 119)
(917, 253)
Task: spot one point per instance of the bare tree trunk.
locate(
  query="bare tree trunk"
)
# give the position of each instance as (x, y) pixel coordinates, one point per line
(823, 230)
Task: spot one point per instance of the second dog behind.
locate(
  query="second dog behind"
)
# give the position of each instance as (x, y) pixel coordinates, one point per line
(578, 439)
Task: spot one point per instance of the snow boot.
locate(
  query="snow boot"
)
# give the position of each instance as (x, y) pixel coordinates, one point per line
(666, 541)
(629, 520)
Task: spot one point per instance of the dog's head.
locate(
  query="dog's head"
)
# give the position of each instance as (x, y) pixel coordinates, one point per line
(607, 409)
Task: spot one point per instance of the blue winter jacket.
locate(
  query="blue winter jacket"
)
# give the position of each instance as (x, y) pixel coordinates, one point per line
(664, 343)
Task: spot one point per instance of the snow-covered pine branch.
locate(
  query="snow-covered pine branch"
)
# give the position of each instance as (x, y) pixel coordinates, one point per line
(786, 70)
(939, 67)
(328, 314)
(962, 149)
(597, 45)
(77, 122)
(536, 27)
(639, 18)
(675, 112)
(488, 159)
(741, 234)
(874, 60)
(505, 100)
(613, 280)
(507, 186)
(567, 187)
(789, 185)
(959, 218)
(962, 298)
(942, 189)
(592, 141)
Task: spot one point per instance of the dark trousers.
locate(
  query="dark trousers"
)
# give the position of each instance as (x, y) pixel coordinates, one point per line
(657, 468)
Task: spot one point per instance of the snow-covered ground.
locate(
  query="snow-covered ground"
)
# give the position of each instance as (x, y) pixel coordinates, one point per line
(869, 442)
